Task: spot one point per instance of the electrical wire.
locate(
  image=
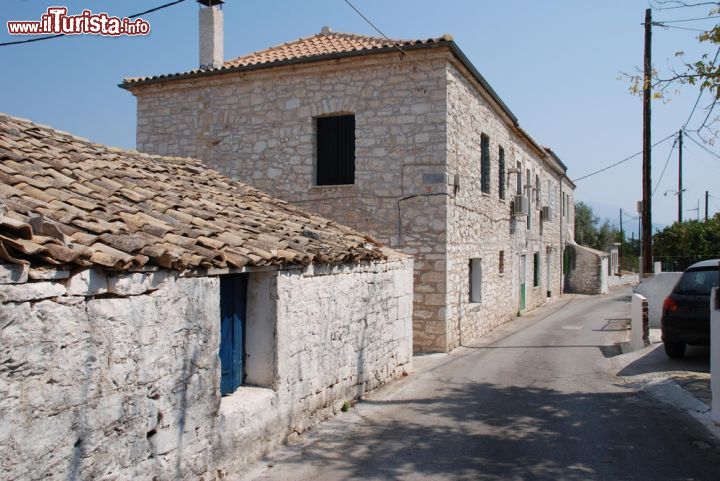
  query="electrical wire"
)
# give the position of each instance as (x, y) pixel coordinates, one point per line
(664, 167)
(689, 19)
(394, 43)
(704, 148)
(49, 37)
(659, 24)
(622, 161)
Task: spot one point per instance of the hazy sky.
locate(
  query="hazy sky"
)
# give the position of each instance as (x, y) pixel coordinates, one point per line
(555, 63)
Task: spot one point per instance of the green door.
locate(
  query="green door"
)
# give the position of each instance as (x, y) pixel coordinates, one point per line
(522, 283)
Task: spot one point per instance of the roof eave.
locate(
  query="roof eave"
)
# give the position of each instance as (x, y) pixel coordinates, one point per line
(130, 85)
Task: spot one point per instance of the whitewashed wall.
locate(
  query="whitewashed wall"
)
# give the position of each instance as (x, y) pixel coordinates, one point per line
(118, 377)
(340, 332)
(108, 388)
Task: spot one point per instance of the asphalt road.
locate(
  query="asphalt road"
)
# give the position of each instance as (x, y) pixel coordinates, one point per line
(538, 399)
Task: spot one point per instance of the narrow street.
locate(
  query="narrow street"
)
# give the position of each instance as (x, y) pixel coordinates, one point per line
(538, 399)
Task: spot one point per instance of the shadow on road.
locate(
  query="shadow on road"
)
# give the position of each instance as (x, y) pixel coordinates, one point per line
(697, 359)
(480, 431)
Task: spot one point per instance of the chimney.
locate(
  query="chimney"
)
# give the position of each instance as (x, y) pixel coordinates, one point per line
(211, 34)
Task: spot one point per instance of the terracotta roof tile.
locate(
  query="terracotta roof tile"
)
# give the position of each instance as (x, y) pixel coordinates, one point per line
(123, 209)
(325, 43)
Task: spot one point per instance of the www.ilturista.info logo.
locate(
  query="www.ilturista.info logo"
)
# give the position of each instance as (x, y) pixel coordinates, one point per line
(57, 21)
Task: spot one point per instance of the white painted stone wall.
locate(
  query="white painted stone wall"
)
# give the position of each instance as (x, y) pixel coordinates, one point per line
(623, 280)
(117, 387)
(340, 333)
(117, 377)
(656, 289)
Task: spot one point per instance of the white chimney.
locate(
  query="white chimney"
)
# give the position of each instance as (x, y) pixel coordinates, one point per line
(211, 34)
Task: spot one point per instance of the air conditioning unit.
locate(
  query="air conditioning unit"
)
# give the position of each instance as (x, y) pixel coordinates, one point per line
(521, 206)
(547, 213)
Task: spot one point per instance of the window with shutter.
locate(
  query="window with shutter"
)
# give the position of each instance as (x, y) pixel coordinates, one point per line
(485, 163)
(475, 280)
(501, 173)
(335, 150)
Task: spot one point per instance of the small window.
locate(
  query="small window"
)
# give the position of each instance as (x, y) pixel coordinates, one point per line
(475, 280)
(537, 190)
(485, 163)
(233, 299)
(336, 150)
(501, 173)
(501, 262)
(536, 269)
(518, 187)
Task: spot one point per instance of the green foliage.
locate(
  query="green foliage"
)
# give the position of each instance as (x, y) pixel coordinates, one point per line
(684, 243)
(588, 230)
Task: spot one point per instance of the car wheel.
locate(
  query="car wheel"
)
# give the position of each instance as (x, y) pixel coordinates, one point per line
(674, 350)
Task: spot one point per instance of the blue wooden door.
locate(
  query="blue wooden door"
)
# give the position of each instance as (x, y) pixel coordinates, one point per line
(233, 298)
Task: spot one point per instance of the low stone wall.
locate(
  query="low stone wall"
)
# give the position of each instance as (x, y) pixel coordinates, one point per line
(108, 377)
(340, 332)
(655, 289)
(588, 271)
(623, 280)
(117, 377)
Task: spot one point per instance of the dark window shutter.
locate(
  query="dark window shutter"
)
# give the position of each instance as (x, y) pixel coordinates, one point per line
(485, 163)
(501, 173)
(336, 150)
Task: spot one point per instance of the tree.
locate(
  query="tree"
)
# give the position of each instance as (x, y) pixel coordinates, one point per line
(702, 72)
(684, 243)
(588, 230)
(585, 220)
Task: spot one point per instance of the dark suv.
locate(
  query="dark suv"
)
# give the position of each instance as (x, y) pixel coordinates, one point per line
(686, 311)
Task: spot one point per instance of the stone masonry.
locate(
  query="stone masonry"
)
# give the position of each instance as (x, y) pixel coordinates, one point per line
(117, 376)
(419, 117)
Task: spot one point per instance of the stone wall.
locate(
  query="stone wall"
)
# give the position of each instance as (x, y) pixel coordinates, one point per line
(340, 332)
(118, 376)
(587, 271)
(623, 280)
(98, 382)
(259, 127)
(481, 224)
(418, 122)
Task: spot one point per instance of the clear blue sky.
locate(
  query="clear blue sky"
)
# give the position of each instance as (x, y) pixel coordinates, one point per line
(555, 63)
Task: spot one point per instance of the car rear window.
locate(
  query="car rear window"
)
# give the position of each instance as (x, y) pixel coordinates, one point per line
(697, 282)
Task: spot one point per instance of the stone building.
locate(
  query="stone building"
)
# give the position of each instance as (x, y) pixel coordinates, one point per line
(404, 140)
(161, 321)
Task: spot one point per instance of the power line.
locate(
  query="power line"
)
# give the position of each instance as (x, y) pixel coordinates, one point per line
(394, 43)
(49, 37)
(702, 88)
(690, 19)
(621, 161)
(704, 148)
(665, 167)
(659, 24)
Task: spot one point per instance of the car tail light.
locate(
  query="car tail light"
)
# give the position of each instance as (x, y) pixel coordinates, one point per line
(669, 304)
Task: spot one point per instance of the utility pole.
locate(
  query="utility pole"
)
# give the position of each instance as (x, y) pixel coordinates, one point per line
(647, 190)
(622, 236)
(680, 187)
(707, 194)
